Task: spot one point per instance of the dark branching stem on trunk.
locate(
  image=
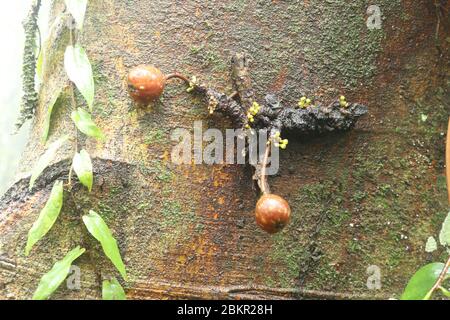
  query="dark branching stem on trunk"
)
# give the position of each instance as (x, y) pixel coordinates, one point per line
(273, 115)
(241, 79)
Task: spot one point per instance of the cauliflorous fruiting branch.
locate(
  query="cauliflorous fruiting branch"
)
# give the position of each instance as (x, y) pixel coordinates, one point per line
(146, 83)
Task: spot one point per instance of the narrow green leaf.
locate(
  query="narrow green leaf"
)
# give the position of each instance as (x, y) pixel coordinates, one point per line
(53, 279)
(82, 165)
(112, 290)
(431, 245)
(84, 123)
(100, 231)
(77, 9)
(39, 64)
(79, 71)
(48, 117)
(445, 292)
(444, 235)
(47, 217)
(422, 281)
(45, 159)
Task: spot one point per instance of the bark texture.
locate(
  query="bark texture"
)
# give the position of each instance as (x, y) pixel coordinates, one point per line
(366, 197)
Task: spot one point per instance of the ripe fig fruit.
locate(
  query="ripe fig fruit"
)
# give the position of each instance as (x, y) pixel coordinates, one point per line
(272, 213)
(146, 83)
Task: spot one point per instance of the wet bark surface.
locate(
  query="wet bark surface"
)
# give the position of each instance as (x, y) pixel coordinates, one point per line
(370, 196)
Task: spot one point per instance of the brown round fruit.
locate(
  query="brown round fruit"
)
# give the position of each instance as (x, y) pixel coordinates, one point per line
(272, 213)
(146, 83)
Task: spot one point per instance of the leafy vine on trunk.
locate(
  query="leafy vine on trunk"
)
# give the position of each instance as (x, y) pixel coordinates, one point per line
(30, 96)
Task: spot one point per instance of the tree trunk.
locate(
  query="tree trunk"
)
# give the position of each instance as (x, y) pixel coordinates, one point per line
(370, 196)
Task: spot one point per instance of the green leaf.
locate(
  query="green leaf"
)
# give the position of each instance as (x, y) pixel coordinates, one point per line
(79, 71)
(39, 64)
(77, 9)
(422, 281)
(47, 217)
(431, 245)
(84, 123)
(50, 106)
(98, 228)
(445, 292)
(82, 165)
(444, 235)
(45, 159)
(53, 279)
(112, 290)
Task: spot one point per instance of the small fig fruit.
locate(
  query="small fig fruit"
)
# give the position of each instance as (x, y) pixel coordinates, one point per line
(146, 83)
(272, 213)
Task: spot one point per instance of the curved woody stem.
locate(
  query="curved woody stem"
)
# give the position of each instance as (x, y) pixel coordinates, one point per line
(442, 275)
(264, 185)
(178, 76)
(447, 160)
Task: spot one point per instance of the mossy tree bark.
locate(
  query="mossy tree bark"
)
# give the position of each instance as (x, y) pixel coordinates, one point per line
(371, 196)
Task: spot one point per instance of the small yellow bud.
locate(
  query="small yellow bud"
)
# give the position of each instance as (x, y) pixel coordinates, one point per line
(283, 146)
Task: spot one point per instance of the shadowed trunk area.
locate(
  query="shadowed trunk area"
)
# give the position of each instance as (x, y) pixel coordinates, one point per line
(370, 196)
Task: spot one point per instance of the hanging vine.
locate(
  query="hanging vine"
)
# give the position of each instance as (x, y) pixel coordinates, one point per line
(30, 96)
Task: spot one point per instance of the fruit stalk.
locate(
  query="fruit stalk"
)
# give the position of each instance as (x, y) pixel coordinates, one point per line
(447, 160)
(176, 75)
(263, 184)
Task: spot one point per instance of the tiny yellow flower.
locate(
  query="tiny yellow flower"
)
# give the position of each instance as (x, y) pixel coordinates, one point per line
(304, 102)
